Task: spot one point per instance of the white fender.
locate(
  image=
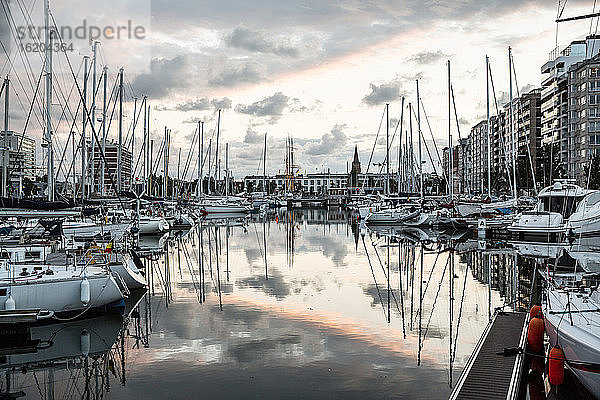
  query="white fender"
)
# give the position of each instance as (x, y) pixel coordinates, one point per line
(85, 291)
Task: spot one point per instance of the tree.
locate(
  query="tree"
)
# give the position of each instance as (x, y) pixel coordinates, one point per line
(546, 169)
(594, 174)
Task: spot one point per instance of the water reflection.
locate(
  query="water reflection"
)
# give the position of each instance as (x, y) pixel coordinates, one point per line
(297, 304)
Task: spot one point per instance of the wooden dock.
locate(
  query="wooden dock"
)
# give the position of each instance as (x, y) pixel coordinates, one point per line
(487, 374)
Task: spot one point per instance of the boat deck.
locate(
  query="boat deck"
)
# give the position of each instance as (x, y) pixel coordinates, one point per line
(489, 375)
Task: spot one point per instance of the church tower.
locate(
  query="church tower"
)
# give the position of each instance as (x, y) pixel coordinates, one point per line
(355, 171)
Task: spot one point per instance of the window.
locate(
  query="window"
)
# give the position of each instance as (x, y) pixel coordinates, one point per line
(594, 139)
(594, 99)
(594, 72)
(582, 87)
(594, 86)
(594, 126)
(32, 254)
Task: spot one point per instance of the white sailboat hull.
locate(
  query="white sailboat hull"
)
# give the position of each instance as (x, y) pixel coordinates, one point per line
(153, 226)
(579, 341)
(225, 209)
(60, 294)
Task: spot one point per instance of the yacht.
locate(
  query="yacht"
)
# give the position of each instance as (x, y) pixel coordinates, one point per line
(555, 205)
(585, 221)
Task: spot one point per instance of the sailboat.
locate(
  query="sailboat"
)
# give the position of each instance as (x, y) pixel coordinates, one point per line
(572, 322)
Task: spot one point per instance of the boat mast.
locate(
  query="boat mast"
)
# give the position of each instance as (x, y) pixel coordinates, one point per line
(200, 158)
(419, 134)
(84, 160)
(48, 44)
(387, 148)
(512, 132)
(93, 122)
(226, 169)
(176, 187)
(400, 145)
(450, 159)
(102, 171)
(145, 147)
(265, 167)
(410, 160)
(166, 165)
(119, 150)
(149, 149)
(217, 172)
(488, 127)
(5, 150)
(135, 115)
(209, 165)
(151, 172)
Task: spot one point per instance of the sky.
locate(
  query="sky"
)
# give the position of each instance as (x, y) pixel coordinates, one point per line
(318, 71)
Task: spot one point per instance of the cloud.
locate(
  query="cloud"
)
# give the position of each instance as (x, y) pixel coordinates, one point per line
(202, 104)
(235, 75)
(261, 42)
(388, 92)
(253, 137)
(271, 106)
(330, 142)
(383, 93)
(165, 75)
(428, 57)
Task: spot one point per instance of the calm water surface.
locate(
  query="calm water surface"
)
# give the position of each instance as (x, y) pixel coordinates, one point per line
(306, 304)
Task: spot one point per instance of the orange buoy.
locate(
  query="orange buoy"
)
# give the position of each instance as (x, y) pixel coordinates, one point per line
(556, 366)
(536, 311)
(535, 335)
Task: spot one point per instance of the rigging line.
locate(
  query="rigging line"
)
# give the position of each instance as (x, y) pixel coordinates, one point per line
(61, 117)
(113, 95)
(466, 182)
(27, 17)
(385, 274)
(23, 55)
(592, 20)
(71, 132)
(19, 79)
(437, 254)
(374, 279)
(87, 115)
(435, 300)
(373, 149)
(190, 153)
(426, 146)
(439, 158)
(460, 313)
(502, 145)
(27, 121)
(55, 80)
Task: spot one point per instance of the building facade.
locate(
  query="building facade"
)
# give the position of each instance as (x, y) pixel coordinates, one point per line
(470, 155)
(111, 153)
(21, 159)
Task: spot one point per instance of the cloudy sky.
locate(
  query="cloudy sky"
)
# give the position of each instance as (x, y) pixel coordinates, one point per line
(319, 71)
